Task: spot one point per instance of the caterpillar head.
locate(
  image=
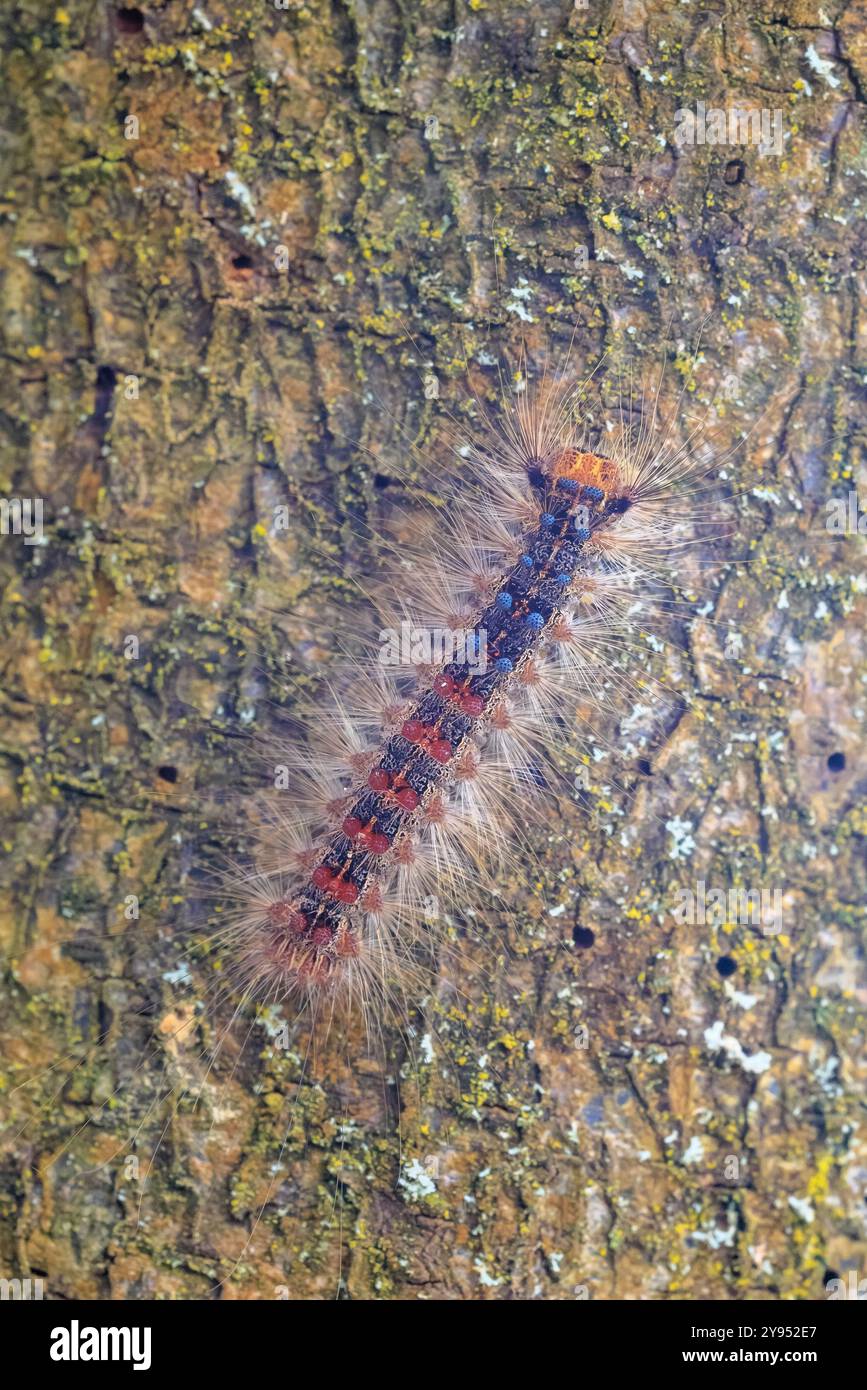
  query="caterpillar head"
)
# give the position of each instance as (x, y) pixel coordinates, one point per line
(591, 470)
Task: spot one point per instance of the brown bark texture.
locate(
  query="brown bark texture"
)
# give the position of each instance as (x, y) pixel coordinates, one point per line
(235, 240)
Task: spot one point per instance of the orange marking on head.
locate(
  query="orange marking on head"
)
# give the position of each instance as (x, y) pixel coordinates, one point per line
(591, 470)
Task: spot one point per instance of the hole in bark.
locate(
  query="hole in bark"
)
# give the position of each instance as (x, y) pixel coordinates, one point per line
(828, 1276)
(726, 965)
(734, 171)
(644, 767)
(242, 262)
(106, 380)
(129, 21)
(836, 762)
(168, 773)
(583, 937)
(104, 1017)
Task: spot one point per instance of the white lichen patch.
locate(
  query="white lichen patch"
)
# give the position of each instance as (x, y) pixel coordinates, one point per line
(822, 67)
(803, 1208)
(743, 1001)
(718, 1041)
(516, 303)
(416, 1181)
(683, 843)
(486, 1278)
(240, 192)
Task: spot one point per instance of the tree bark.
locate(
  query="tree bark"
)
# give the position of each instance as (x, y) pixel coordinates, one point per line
(234, 239)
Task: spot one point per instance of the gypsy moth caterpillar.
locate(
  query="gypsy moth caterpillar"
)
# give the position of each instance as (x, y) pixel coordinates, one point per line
(439, 540)
(505, 590)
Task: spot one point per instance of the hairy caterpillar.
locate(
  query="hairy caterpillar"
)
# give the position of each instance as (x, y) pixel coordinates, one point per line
(417, 781)
(448, 535)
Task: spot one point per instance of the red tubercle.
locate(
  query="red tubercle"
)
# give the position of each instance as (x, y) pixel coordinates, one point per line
(466, 766)
(321, 936)
(278, 913)
(406, 798)
(561, 630)
(416, 732)
(381, 781)
(346, 943)
(371, 898)
(285, 917)
(468, 702)
(483, 582)
(375, 842)
(343, 889)
(501, 719)
(529, 673)
(435, 811)
(364, 835)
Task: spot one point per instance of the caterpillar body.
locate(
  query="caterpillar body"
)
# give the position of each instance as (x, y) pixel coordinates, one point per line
(416, 779)
(421, 784)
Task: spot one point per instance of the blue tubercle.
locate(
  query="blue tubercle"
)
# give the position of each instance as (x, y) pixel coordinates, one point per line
(504, 600)
(535, 620)
(503, 665)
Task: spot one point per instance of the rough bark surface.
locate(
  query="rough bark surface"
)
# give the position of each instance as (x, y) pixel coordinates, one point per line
(232, 235)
